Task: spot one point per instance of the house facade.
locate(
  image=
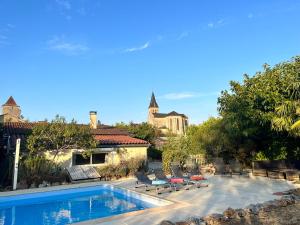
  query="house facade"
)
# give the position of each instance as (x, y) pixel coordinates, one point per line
(113, 144)
(173, 122)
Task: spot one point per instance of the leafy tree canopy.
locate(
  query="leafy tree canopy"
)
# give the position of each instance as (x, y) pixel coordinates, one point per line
(253, 115)
(142, 131)
(58, 136)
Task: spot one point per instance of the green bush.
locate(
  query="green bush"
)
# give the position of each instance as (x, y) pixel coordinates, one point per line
(36, 169)
(124, 169)
(175, 150)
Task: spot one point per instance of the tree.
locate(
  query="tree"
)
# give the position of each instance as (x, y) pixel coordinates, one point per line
(177, 149)
(209, 138)
(142, 131)
(250, 108)
(58, 136)
(288, 113)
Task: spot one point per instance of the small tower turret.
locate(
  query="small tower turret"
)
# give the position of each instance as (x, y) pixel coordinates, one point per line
(11, 111)
(153, 108)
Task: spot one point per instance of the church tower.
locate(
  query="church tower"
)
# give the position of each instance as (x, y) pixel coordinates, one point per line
(152, 109)
(11, 111)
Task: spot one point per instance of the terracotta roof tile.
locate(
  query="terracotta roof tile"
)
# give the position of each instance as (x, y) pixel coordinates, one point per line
(119, 140)
(107, 135)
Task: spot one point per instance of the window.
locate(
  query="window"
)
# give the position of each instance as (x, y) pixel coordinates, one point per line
(80, 160)
(186, 123)
(98, 158)
(94, 158)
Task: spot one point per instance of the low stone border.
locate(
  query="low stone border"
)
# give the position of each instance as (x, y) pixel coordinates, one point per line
(285, 211)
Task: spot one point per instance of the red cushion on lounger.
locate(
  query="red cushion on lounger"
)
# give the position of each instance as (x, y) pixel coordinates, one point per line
(176, 180)
(197, 177)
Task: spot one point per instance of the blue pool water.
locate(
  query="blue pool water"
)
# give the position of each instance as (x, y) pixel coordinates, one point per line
(68, 206)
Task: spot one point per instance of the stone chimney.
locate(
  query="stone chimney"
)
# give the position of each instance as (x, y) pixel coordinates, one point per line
(93, 119)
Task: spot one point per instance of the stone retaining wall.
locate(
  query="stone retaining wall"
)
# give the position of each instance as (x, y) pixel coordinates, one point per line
(284, 211)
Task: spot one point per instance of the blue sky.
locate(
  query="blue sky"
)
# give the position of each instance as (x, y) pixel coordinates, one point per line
(69, 57)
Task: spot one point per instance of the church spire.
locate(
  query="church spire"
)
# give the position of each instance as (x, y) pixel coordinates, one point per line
(153, 103)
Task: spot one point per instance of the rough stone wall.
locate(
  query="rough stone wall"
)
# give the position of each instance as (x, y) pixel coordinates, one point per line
(285, 211)
(150, 115)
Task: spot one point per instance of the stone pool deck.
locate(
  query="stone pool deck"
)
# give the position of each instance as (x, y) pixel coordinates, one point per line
(222, 192)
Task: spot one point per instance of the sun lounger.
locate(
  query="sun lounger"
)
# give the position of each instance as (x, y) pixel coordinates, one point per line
(143, 180)
(160, 175)
(177, 173)
(196, 175)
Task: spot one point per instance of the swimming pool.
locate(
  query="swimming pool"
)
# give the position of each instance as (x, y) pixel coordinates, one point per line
(72, 205)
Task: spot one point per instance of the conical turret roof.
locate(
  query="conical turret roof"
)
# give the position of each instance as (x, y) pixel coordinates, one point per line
(153, 103)
(10, 102)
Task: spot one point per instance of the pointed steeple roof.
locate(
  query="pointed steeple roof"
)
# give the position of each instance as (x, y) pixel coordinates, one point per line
(153, 103)
(10, 102)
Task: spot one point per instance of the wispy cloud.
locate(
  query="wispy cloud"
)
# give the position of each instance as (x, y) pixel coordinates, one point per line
(250, 15)
(4, 34)
(186, 95)
(182, 35)
(64, 4)
(59, 44)
(65, 8)
(216, 24)
(139, 48)
(10, 26)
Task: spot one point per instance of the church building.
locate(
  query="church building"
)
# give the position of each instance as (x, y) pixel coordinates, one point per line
(173, 122)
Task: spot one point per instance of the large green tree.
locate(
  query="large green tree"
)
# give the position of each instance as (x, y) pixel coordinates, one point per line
(58, 136)
(249, 108)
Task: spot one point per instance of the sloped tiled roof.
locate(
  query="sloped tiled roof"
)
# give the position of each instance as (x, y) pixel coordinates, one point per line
(163, 115)
(108, 131)
(160, 115)
(107, 135)
(10, 102)
(173, 113)
(119, 140)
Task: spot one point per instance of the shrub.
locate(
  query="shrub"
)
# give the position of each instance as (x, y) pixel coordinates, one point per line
(175, 150)
(36, 169)
(124, 169)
